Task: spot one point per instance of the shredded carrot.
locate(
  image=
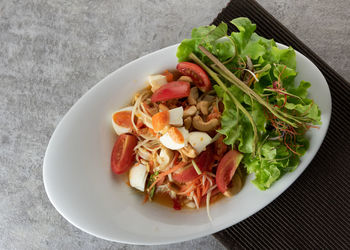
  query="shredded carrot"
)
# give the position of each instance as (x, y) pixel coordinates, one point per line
(198, 187)
(198, 192)
(146, 198)
(187, 189)
(160, 176)
(161, 181)
(206, 187)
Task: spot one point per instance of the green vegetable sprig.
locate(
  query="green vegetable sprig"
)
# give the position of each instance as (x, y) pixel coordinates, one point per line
(266, 115)
(152, 179)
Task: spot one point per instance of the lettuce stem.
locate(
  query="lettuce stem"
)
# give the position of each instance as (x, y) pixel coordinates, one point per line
(233, 98)
(227, 74)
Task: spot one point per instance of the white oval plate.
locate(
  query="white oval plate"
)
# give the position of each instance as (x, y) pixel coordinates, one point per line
(80, 185)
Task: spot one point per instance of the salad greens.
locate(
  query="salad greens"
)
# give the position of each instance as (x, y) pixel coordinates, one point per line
(151, 180)
(265, 113)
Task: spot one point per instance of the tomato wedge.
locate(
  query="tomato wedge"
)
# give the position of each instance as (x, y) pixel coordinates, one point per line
(198, 75)
(171, 90)
(123, 153)
(227, 168)
(203, 161)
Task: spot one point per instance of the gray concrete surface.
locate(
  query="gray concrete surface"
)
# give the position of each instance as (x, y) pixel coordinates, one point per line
(52, 52)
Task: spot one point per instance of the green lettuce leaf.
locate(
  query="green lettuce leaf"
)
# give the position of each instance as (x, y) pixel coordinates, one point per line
(186, 47)
(273, 162)
(235, 125)
(271, 64)
(246, 29)
(211, 37)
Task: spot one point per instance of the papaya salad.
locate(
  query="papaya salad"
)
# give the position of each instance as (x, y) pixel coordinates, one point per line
(230, 108)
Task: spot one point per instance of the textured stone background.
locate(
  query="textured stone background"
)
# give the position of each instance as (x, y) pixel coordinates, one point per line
(52, 52)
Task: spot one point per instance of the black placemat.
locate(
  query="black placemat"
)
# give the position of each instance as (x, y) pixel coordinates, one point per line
(314, 212)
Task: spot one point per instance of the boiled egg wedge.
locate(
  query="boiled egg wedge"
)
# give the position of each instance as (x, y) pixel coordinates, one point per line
(199, 140)
(137, 176)
(175, 138)
(165, 157)
(162, 120)
(175, 116)
(121, 120)
(156, 81)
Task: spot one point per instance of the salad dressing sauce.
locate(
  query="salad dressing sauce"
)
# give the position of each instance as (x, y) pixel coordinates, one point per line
(165, 200)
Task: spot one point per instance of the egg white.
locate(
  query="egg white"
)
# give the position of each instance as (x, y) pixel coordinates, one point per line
(199, 140)
(137, 176)
(156, 81)
(175, 116)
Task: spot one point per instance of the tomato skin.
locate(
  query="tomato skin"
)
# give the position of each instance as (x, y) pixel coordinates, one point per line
(176, 204)
(171, 90)
(123, 155)
(198, 75)
(203, 161)
(227, 168)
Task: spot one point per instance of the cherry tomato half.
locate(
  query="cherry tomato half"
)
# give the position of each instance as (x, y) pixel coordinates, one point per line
(123, 153)
(203, 161)
(171, 90)
(198, 75)
(227, 168)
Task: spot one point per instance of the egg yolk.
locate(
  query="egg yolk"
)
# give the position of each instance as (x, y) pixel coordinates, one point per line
(123, 119)
(176, 135)
(160, 120)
